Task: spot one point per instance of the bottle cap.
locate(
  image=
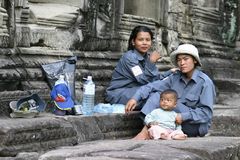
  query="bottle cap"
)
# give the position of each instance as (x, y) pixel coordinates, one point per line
(89, 78)
(61, 77)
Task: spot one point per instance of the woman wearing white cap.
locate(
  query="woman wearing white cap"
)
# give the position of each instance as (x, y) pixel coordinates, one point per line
(195, 89)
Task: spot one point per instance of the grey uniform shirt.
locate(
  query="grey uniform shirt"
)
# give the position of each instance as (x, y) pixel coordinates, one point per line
(195, 101)
(132, 71)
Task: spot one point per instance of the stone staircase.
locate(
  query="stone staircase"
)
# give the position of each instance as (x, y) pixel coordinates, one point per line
(41, 137)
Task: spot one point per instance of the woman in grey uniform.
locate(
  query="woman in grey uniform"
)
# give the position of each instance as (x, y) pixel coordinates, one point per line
(195, 89)
(135, 68)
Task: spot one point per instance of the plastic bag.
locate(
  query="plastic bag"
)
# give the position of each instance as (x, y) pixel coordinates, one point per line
(65, 67)
(109, 108)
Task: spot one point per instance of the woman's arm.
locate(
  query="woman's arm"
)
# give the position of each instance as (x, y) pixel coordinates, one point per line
(201, 113)
(156, 86)
(144, 92)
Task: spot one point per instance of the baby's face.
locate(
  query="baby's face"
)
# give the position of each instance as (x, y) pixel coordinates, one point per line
(167, 102)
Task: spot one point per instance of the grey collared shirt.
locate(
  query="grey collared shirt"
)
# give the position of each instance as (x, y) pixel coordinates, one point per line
(133, 70)
(195, 96)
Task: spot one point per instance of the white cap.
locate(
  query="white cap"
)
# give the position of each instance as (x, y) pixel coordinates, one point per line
(185, 49)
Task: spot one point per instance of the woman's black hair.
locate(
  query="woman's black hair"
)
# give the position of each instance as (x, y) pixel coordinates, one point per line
(134, 33)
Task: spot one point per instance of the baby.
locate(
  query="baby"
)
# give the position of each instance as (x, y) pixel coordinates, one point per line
(161, 121)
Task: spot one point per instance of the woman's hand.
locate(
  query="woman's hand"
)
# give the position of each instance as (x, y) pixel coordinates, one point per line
(154, 56)
(179, 119)
(131, 104)
(173, 70)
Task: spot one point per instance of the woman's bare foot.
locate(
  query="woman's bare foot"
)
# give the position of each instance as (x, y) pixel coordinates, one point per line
(143, 135)
(179, 137)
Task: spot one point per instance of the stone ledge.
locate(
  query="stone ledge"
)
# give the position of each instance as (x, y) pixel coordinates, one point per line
(207, 148)
(226, 119)
(47, 132)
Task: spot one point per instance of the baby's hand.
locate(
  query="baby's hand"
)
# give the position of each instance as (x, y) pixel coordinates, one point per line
(179, 119)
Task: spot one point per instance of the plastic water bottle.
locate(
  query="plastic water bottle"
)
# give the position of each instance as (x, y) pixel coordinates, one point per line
(60, 80)
(88, 101)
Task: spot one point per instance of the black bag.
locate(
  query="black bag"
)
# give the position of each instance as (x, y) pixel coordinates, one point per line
(64, 67)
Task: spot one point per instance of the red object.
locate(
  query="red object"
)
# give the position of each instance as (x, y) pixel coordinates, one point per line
(60, 98)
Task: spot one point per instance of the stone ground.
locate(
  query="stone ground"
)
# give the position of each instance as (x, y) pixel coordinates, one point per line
(109, 142)
(193, 148)
(203, 148)
(207, 148)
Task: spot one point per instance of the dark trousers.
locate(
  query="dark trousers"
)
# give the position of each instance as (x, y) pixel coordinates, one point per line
(192, 130)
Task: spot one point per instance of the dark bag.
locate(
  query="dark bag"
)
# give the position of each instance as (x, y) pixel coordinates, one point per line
(65, 67)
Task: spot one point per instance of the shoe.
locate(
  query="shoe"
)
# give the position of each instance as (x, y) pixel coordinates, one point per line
(59, 112)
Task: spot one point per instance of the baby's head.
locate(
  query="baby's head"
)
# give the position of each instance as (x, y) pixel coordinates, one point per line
(168, 99)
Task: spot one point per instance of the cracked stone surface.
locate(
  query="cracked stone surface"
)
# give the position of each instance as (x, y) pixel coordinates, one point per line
(219, 148)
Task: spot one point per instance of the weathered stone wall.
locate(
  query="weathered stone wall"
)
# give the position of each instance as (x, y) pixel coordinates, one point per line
(36, 32)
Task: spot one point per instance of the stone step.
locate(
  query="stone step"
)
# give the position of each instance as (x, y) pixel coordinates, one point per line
(207, 148)
(226, 120)
(49, 132)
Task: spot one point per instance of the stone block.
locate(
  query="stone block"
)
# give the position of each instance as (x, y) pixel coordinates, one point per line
(36, 134)
(47, 131)
(207, 148)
